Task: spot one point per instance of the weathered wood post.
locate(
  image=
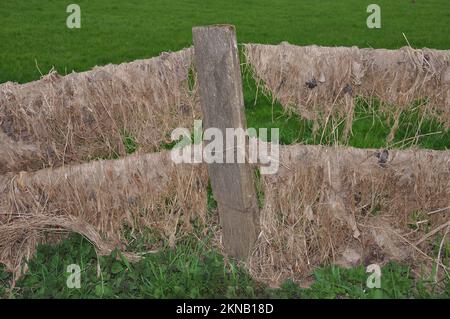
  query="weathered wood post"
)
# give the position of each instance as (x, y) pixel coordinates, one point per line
(222, 102)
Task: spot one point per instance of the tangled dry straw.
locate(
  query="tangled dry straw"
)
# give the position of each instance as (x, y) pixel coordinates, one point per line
(70, 119)
(98, 200)
(348, 206)
(320, 83)
(325, 205)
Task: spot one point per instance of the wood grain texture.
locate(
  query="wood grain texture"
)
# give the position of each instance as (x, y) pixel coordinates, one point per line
(221, 99)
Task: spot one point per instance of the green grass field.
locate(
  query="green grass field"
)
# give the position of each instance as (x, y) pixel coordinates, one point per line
(115, 31)
(34, 39)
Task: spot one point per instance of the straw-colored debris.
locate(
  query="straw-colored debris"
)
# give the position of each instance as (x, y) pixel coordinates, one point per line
(325, 205)
(13, 154)
(320, 83)
(349, 206)
(70, 119)
(98, 200)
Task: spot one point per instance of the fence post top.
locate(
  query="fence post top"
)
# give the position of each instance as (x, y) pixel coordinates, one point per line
(230, 27)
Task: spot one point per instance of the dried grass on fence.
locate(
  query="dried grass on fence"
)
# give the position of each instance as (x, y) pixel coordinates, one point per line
(59, 120)
(321, 82)
(98, 200)
(349, 206)
(324, 206)
(13, 154)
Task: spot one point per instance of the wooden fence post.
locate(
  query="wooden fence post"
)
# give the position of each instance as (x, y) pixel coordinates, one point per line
(222, 102)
